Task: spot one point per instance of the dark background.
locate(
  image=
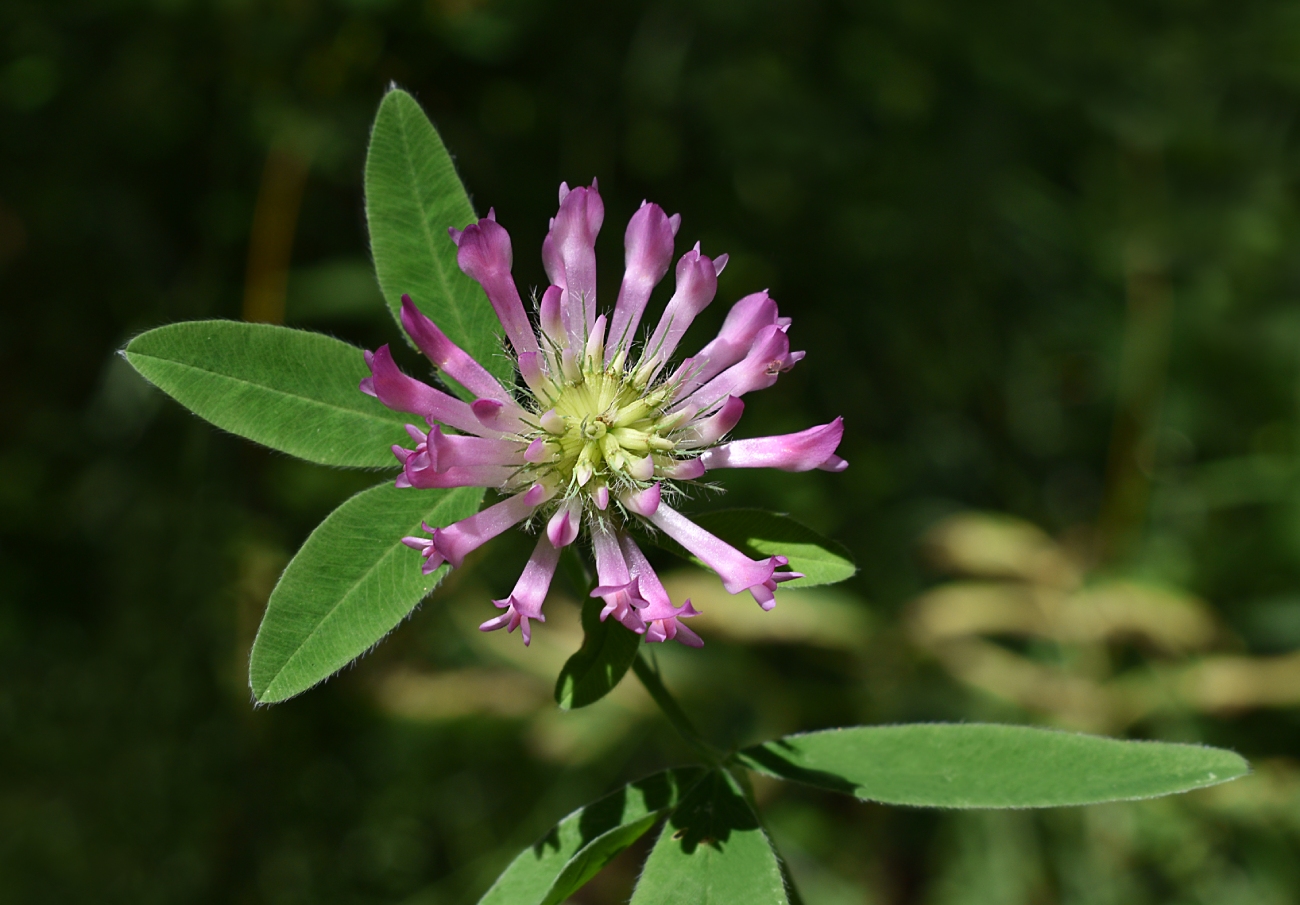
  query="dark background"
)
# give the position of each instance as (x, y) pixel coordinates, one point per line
(1044, 259)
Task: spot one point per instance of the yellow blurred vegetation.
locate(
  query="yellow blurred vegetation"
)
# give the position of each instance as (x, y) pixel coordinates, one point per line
(1025, 621)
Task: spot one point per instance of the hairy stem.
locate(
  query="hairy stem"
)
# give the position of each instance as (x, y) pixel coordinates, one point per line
(650, 678)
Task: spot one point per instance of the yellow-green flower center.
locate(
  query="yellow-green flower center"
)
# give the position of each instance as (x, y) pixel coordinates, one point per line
(606, 428)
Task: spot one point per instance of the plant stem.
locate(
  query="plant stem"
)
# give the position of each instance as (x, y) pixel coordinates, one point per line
(649, 677)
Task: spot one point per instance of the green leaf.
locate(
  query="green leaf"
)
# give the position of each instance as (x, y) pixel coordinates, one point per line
(288, 389)
(712, 850)
(760, 534)
(575, 850)
(351, 583)
(608, 649)
(412, 196)
(989, 766)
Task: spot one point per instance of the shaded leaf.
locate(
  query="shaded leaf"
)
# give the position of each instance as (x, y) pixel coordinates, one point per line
(760, 534)
(412, 196)
(290, 390)
(560, 863)
(608, 649)
(349, 585)
(712, 850)
(989, 766)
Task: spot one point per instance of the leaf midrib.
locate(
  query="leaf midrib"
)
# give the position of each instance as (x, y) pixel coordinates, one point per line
(424, 209)
(352, 589)
(270, 389)
(344, 598)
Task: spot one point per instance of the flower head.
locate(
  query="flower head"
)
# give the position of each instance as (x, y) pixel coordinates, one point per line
(604, 432)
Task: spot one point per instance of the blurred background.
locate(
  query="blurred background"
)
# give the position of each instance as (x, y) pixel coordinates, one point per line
(1044, 258)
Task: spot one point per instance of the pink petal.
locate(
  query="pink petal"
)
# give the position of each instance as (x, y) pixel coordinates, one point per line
(742, 325)
(697, 283)
(643, 502)
(406, 394)
(767, 357)
(648, 245)
(683, 470)
(834, 463)
(595, 350)
(538, 452)
(642, 469)
(563, 526)
(451, 451)
(432, 558)
(499, 417)
(707, 431)
(617, 587)
(569, 254)
(456, 541)
(449, 357)
(659, 614)
(484, 254)
(525, 601)
(551, 315)
(467, 476)
(737, 571)
(802, 451)
(532, 369)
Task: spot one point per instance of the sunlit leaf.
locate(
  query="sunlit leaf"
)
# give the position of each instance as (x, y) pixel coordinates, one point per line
(350, 584)
(608, 649)
(989, 766)
(412, 196)
(288, 389)
(713, 850)
(761, 534)
(562, 861)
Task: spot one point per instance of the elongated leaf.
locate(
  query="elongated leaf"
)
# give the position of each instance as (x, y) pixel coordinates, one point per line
(712, 850)
(989, 766)
(350, 584)
(761, 534)
(412, 196)
(561, 862)
(608, 649)
(288, 389)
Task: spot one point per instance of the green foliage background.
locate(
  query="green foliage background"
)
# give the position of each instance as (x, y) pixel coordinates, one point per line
(1043, 258)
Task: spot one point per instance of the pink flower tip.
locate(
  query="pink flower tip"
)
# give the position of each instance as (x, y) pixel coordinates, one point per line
(643, 502)
(515, 616)
(562, 529)
(536, 453)
(486, 410)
